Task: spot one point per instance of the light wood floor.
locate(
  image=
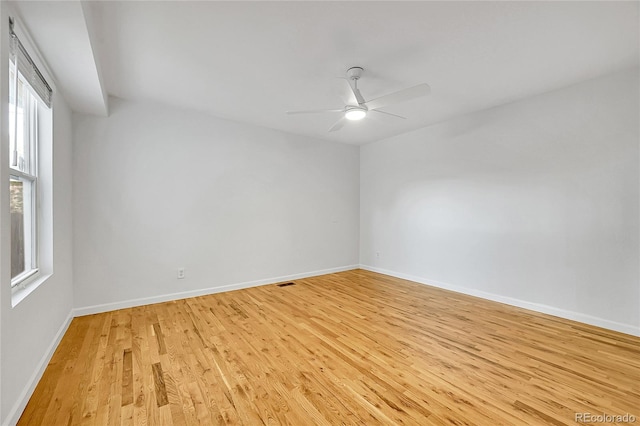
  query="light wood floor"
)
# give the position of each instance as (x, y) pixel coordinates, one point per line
(348, 348)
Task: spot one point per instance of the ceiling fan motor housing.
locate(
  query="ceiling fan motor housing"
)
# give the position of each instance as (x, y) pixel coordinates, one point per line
(355, 73)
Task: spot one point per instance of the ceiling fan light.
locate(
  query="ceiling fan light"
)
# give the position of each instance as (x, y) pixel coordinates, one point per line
(355, 114)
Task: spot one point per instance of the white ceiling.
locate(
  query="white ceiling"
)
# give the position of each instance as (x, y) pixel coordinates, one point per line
(252, 61)
(61, 32)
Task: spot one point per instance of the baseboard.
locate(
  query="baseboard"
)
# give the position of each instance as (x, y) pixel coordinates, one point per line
(96, 309)
(17, 409)
(545, 309)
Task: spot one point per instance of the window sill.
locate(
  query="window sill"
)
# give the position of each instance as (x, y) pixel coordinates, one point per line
(22, 290)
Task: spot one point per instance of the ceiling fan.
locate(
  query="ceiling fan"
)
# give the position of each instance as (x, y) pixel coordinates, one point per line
(357, 108)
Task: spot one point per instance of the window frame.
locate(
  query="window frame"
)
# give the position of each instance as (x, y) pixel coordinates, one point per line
(31, 128)
(29, 60)
(28, 174)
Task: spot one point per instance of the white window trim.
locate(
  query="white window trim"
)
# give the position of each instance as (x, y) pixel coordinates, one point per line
(32, 176)
(27, 286)
(45, 270)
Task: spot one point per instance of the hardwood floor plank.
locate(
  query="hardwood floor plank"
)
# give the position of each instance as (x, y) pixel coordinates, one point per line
(354, 347)
(158, 380)
(127, 378)
(160, 338)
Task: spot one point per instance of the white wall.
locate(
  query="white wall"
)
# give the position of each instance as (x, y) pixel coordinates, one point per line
(157, 188)
(29, 330)
(534, 203)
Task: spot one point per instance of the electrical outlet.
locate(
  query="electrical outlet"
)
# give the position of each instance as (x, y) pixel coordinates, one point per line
(377, 255)
(180, 273)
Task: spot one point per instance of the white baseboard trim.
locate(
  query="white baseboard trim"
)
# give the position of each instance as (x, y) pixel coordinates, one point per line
(17, 409)
(545, 309)
(106, 307)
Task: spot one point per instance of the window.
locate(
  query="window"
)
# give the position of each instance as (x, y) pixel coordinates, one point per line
(29, 96)
(23, 157)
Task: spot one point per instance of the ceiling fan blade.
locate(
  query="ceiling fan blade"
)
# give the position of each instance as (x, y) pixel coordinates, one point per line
(351, 98)
(338, 124)
(314, 111)
(388, 114)
(355, 97)
(400, 96)
(359, 97)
